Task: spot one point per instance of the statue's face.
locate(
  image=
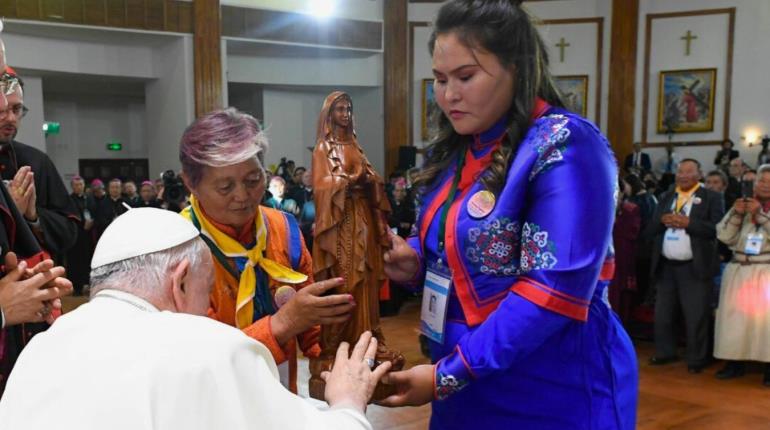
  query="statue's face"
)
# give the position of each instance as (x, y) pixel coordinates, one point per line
(341, 113)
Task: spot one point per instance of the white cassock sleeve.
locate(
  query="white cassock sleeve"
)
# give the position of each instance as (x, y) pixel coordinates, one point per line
(244, 393)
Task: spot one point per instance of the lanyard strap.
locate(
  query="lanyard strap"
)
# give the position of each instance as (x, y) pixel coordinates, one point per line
(449, 200)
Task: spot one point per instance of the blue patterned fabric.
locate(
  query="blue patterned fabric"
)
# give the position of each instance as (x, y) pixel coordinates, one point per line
(530, 342)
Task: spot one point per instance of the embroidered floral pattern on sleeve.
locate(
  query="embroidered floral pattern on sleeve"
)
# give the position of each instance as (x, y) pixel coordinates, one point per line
(446, 385)
(537, 252)
(494, 246)
(550, 139)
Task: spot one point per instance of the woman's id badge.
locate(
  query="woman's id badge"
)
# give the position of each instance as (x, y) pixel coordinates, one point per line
(754, 242)
(435, 294)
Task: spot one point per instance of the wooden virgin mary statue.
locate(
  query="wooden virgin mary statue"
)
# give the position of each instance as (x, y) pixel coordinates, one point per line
(350, 235)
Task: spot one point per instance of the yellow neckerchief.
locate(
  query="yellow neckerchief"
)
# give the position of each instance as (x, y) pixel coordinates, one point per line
(682, 196)
(247, 286)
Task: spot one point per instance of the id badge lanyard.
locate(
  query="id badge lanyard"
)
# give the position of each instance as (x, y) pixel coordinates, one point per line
(754, 242)
(438, 277)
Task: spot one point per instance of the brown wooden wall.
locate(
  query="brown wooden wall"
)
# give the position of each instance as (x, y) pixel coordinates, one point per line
(396, 88)
(207, 56)
(622, 91)
(157, 15)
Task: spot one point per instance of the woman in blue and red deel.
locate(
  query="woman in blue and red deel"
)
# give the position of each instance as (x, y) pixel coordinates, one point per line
(517, 202)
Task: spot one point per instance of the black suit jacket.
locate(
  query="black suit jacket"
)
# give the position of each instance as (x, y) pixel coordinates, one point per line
(704, 217)
(718, 158)
(57, 213)
(645, 162)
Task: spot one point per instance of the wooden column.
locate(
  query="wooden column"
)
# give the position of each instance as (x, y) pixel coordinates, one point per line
(207, 52)
(396, 87)
(620, 117)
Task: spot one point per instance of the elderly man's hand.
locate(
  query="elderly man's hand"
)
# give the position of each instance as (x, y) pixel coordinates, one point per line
(30, 295)
(680, 221)
(752, 206)
(352, 379)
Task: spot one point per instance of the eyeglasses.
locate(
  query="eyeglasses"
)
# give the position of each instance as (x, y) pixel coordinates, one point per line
(19, 111)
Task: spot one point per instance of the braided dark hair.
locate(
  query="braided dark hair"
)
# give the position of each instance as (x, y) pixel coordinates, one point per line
(505, 29)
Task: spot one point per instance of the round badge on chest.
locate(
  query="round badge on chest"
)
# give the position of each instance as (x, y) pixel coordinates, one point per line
(481, 204)
(283, 295)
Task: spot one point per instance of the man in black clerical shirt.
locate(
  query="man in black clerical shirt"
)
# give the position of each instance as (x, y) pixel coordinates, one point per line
(33, 181)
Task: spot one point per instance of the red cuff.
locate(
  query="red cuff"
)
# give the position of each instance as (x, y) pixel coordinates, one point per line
(551, 299)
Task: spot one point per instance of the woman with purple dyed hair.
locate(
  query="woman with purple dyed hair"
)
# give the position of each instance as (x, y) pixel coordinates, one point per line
(263, 271)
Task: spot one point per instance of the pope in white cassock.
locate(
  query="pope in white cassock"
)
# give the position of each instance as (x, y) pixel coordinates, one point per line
(141, 355)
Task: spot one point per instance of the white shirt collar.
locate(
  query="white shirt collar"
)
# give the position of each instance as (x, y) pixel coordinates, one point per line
(127, 298)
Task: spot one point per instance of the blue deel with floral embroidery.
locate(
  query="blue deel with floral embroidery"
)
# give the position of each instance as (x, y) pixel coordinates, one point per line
(531, 344)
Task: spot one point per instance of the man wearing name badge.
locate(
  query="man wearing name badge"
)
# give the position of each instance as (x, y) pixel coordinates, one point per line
(142, 355)
(684, 262)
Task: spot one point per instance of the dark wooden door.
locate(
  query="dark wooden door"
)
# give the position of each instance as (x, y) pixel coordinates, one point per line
(134, 169)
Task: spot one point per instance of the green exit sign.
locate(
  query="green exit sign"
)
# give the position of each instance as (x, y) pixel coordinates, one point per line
(114, 146)
(51, 127)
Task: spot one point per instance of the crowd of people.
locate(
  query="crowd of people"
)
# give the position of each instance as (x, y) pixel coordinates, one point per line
(697, 247)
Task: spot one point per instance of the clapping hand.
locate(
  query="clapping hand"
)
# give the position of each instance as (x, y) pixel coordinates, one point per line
(22, 189)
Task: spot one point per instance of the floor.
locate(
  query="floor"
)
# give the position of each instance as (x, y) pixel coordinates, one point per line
(669, 397)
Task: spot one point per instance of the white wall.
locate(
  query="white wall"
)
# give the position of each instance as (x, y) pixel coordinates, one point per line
(88, 123)
(366, 10)
(31, 128)
(37, 47)
(291, 116)
(295, 82)
(751, 61)
(165, 61)
(318, 69)
(170, 103)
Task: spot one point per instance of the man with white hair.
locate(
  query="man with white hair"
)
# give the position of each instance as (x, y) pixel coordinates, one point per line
(142, 355)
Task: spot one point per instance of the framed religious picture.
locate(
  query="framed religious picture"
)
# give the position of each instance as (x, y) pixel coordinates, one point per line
(686, 101)
(428, 105)
(574, 92)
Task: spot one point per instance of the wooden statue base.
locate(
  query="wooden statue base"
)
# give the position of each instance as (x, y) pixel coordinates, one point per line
(316, 385)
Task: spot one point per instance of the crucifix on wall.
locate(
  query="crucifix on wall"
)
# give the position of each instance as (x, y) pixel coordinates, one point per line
(688, 38)
(561, 45)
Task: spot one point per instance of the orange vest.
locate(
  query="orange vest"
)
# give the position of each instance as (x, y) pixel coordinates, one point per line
(224, 292)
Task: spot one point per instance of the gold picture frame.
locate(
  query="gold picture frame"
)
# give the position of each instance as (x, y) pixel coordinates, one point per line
(574, 92)
(686, 100)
